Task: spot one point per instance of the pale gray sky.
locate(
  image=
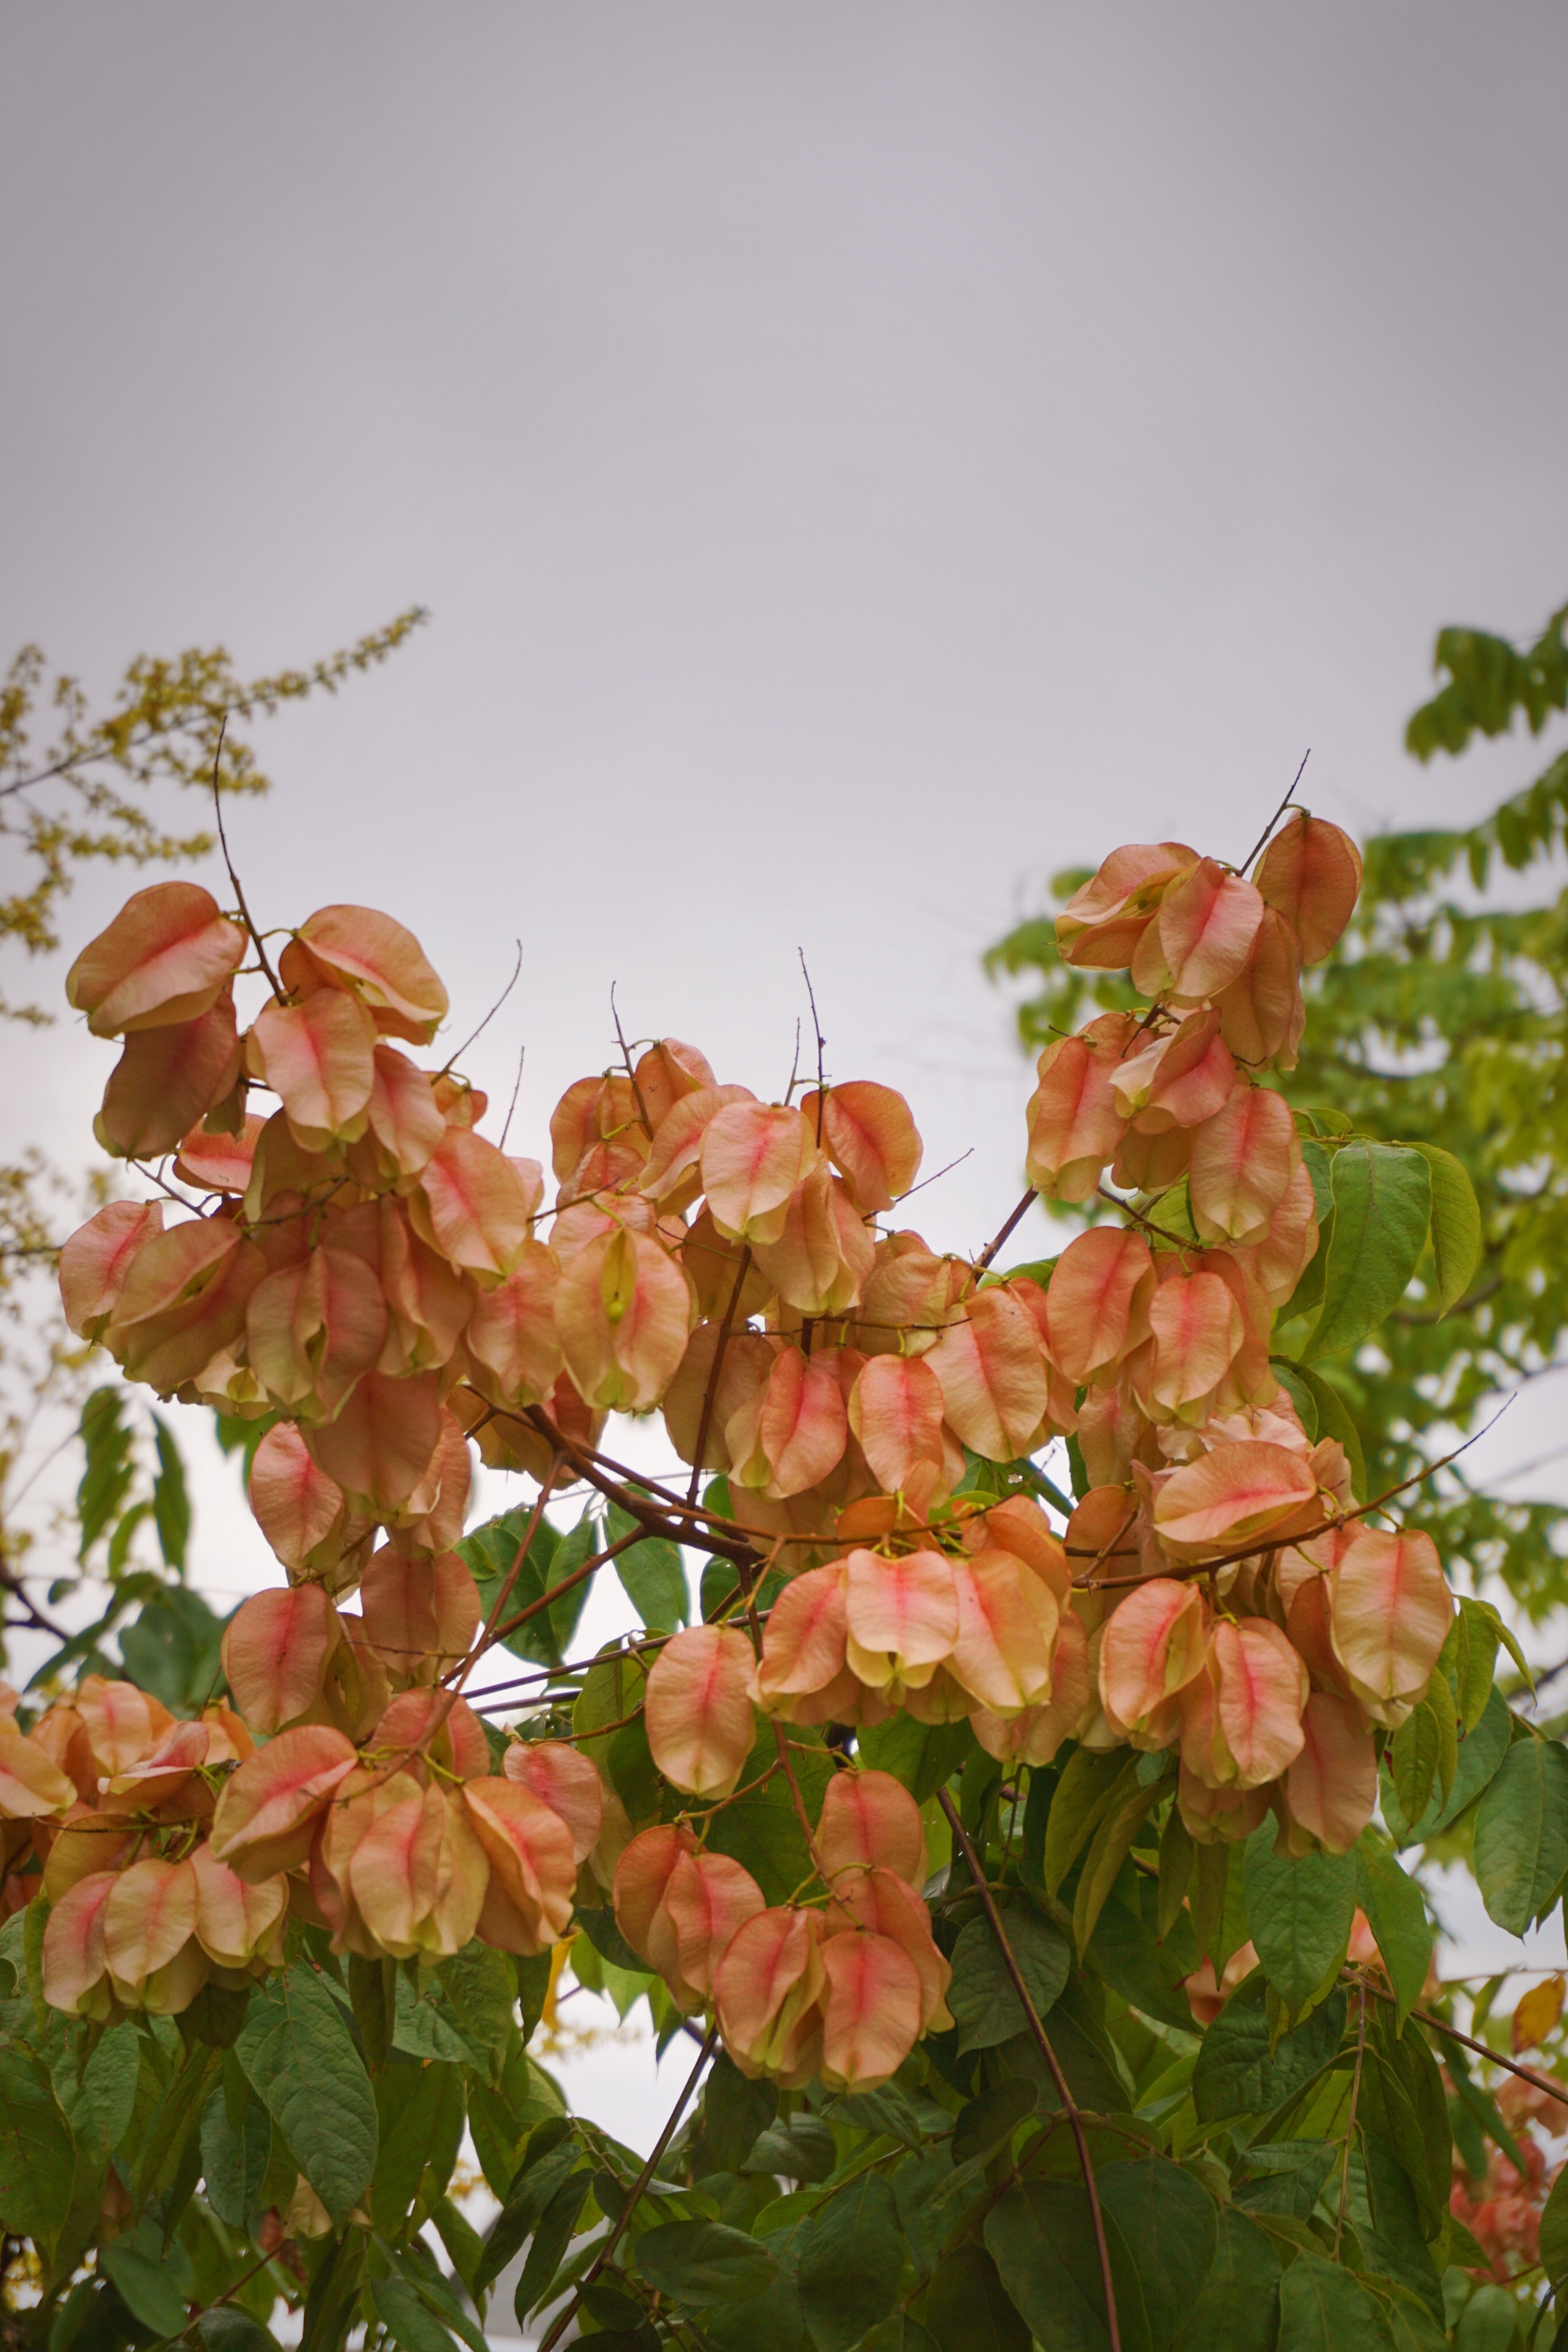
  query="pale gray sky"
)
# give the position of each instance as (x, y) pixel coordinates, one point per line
(860, 457)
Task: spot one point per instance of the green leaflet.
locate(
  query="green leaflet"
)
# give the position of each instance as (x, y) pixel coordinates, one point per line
(967, 2307)
(1455, 1224)
(734, 2114)
(1480, 1753)
(1382, 1207)
(1397, 1913)
(851, 2256)
(1323, 2309)
(227, 2328)
(1238, 2309)
(1555, 2232)
(138, 2268)
(297, 2051)
(985, 2004)
(1521, 1833)
(235, 2160)
(1041, 2237)
(760, 1829)
(551, 2240)
(992, 2117)
(419, 2124)
(1168, 2223)
(923, 1756)
(1299, 1914)
(701, 2262)
(1091, 1781)
(1237, 2074)
(1323, 1413)
(36, 2155)
(651, 1575)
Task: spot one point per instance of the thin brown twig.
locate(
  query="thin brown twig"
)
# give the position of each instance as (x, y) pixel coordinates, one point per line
(1278, 814)
(238, 893)
(1482, 2048)
(563, 2319)
(653, 1520)
(989, 1251)
(705, 1420)
(821, 1046)
(453, 1058)
(1042, 2042)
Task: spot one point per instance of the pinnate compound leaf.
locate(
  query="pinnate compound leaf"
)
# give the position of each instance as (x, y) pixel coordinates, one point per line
(1168, 2223)
(1521, 1833)
(297, 2050)
(851, 2261)
(1455, 1224)
(1299, 1914)
(984, 2003)
(1396, 1913)
(1238, 2309)
(1382, 1207)
(701, 2262)
(1041, 2237)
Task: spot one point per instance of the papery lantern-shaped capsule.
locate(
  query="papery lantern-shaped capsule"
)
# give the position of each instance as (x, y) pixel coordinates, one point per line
(666, 1073)
(1154, 1645)
(1260, 1687)
(788, 1436)
(511, 1341)
(805, 1638)
(1390, 1609)
(698, 1709)
(1218, 1815)
(267, 1813)
(1331, 1787)
(318, 1059)
(1312, 872)
(694, 1396)
(767, 1989)
(32, 1785)
(313, 1330)
(868, 1134)
(896, 1410)
(162, 1775)
(1195, 1332)
(122, 1722)
(1097, 1305)
(75, 1963)
(419, 1874)
(472, 1204)
(237, 1924)
(420, 1614)
(901, 1617)
(879, 1900)
(1101, 925)
(671, 1172)
(1007, 1621)
(1261, 1015)
(384, 963)
(1034, 1734)
(532, 1866)
(707, 1898)
(1242, 1160)
(359, 1801)
(149, 1937)
(624, 1313)
(1075, 1120)
(992, 1367)
(753, 1157)
(276, 1649)
(1232, 1494)
(96, 1260)
(869, 1821)
(430, 1728)
(383, 1441)
(183, 1298)
(1199, 940)
(870, 2008)
(642, 1874)
(908, 1297)
(219, 1163)
(820, 1260)
(298, 1508)
(165, 1081)
(568, 1782)
(166, 957)
(1183, 1076)
(404, 1115)
(1019, 1526)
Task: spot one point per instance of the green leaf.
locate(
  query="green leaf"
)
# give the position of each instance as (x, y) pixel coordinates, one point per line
(1107, 1849)
(923, 1756)
(1285, 2177)
(1324, 1413)
(234, 2161)
(803, 2148)
(1237, 2073)
(1455, 1224)
(1238, 2309)
(37, 2153)
(1413, 1760)
(1396, 1913)
(419, 2124)
(227, 2328)
(1383, 1206)
(651, 1575)
(107, 1443)
(109, 2082)
(297, 2050)
(551, 2240)
(699, 2263)
(985, 2006)
(1480, 1753)
(1521, 1833)
(1041, 2237)
(171, 1501)
(1092, 1778)
(967, 2307)
(1323, 2309)
(136, 2268)
(992, 2117)
(1474, 1637)
(851, 2261)
(1299, 1914)
(489, 1552)
(1555, 2232)
(735, 2113)
(406, 2318)
(1167, 2221)
(172, 1648)
(551, 2157)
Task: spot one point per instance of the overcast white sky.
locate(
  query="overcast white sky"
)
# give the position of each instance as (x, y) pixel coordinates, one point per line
(859, 459)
